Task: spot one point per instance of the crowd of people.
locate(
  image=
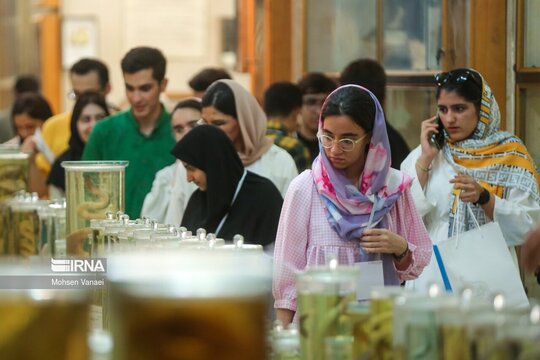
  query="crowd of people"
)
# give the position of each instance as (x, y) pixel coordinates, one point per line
(316, 172)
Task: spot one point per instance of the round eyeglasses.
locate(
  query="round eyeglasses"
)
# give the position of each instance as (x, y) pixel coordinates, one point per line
(344, 144)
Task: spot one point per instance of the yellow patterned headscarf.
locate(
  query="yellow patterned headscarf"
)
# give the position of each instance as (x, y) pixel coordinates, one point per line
(498, 160)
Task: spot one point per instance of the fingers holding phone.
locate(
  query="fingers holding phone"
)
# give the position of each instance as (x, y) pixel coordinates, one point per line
(430, 129)
(436, 138)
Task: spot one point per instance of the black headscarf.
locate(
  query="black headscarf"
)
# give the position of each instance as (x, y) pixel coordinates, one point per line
(210, 150)
(254, 213)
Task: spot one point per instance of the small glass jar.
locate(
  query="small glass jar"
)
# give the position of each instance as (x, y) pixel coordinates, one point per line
(23, 224)
(13, 172)
(52, 227)
(285, 342)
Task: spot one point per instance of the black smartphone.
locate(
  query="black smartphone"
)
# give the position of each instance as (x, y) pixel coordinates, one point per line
(437, 139)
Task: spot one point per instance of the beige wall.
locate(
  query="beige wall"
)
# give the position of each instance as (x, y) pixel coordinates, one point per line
(110, 19)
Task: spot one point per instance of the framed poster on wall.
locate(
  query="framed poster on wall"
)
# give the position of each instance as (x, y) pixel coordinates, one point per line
(79, 39)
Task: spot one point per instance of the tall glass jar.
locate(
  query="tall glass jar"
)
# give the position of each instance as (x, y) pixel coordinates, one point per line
(323, 295)
(93, 188)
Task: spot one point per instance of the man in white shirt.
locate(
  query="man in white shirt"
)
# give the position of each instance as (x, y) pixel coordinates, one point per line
(171, 191)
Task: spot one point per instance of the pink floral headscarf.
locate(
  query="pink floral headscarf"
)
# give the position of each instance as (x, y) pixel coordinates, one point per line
(350, 208)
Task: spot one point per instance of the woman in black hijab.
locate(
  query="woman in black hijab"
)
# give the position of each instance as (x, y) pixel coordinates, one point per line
(230, 200)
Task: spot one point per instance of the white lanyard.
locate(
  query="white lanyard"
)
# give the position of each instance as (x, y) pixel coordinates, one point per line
(238, 187)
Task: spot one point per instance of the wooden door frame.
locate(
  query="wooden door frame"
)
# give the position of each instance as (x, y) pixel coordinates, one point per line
(276, 61)
(246, 40)
(50, 49)
(488, 46)
(277, 54)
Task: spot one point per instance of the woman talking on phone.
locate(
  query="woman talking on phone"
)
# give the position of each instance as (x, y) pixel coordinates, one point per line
(464, 159)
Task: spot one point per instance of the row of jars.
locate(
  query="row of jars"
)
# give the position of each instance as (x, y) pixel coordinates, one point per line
(401, 324)
(117, 233)
(29, 226)
(203, 304)
(94, 191)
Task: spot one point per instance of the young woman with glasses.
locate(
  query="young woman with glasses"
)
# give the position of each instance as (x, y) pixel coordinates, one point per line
(476, 164)
(351, 205)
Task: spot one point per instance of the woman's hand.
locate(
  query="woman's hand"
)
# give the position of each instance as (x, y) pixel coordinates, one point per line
(470, 189)
(470, 192)
(383, 241)
(29, 145)
(285, 316)
(429, 151)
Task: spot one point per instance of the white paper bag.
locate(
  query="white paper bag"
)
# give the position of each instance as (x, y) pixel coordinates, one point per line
(480, 259)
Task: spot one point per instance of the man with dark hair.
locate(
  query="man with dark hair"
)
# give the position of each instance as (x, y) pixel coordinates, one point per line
(85, 75)
(142, 134)
(89, 66)
(282, 104)
(204, 78)
(315, 87)
(26, 83)
(23, 84)
(371, 75)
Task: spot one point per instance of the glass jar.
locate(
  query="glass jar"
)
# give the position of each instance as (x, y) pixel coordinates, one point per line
(45, 324)
(22, 234)
(422, 325)
(93, 188)
(189, 304)
(358, 315)
(52, 227)
(13, 178)
(285, 342)
(13, 172)
(323, 295)
(381, 325)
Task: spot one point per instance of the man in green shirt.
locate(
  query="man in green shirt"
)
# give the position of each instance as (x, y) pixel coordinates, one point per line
(142, 134)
